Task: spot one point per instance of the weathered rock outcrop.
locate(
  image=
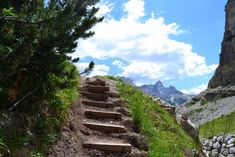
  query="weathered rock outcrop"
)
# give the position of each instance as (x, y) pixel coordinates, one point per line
(225, 73)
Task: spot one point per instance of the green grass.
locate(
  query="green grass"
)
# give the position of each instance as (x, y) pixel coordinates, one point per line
(164, 136)
(222, 125)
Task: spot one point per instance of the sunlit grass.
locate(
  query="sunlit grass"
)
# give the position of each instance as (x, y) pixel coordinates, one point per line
(220, 126)
(164, 136)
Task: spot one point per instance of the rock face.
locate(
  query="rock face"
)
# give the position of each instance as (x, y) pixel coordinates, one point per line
(225, 73)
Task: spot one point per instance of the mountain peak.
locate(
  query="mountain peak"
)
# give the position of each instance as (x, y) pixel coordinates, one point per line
(169, 94)
(158, 84)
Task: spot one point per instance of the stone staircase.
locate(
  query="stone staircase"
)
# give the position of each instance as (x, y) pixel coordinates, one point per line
(101, 118)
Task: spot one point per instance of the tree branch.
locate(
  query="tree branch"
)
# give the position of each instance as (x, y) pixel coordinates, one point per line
(18, 20)
(22, 99)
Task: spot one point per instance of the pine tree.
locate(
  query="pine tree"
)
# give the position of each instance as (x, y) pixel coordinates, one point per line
(36, 38)
(37, 77)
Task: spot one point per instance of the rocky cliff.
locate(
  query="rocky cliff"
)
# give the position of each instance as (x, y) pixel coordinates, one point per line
(225, 73)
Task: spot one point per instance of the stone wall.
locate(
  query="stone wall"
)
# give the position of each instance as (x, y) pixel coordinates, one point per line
(221, 146)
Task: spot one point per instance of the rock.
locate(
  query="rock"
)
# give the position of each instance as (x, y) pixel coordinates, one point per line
(221, 155)
(231, 141)
(230, 155)
(214, 139)
(232, 150)
(225, 151)
(224, 145)
(230, 145)
(230, 137)
(225, 73)
(205, 142)
(216, 145)
(207, 153)
(220, 138)
(188, 127)
(214, 153)
(207, 148)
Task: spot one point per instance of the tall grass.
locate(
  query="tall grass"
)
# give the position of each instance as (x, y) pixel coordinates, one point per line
(164, 136)
(219, 126)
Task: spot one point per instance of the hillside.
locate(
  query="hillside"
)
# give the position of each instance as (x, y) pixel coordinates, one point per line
(150, 130)
(164, 135)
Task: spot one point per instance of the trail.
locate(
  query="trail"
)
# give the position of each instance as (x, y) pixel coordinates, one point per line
(99, 125)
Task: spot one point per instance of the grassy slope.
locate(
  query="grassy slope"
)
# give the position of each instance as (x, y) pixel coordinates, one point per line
(164, 136)
(224, 124)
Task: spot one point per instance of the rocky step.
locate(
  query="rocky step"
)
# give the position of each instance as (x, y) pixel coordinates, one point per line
(95, 96)
(98, 104)
(103, 114)
(113, 94)
(109, 147)
(97, 88)
(97, 82)
(108, 128)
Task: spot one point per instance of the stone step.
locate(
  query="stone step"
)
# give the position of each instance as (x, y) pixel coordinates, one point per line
(103, 114)
(98, 104)
(109, 147)
(97, 82)
(95, 96)
(113, 94)
(97, 89)
(105, 127)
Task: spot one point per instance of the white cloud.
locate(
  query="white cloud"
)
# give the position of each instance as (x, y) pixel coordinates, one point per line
(104, 8)
(143, 69)
(134, 9)
(119, 64)
(99, 69)
(146, 46)
(195, 90)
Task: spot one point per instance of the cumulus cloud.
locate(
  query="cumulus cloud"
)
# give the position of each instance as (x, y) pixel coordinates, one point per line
(134, 9)
(99, 69)
(104, 8)
(195, 90)
(119, 64)
(143, 69)
(146, 46)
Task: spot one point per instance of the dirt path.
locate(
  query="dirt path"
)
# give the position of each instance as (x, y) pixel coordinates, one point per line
(99, 125)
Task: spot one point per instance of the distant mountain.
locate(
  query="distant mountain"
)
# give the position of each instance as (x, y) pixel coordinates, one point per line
(168, 94)
(127, 80)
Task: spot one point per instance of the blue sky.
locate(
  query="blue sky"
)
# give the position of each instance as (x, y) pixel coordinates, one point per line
(177, 42)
